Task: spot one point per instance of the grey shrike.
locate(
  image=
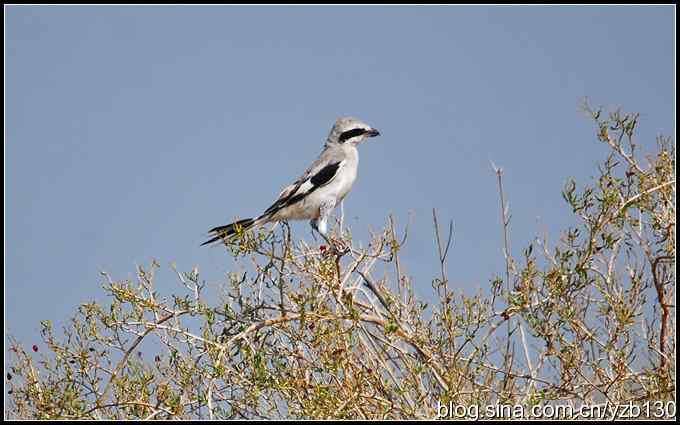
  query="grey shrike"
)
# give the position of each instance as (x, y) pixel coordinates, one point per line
(317, 192)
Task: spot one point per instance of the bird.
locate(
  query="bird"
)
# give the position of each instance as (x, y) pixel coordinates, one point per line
(322, 187)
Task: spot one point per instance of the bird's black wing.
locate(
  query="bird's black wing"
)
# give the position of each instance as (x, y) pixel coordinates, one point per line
(304, 186)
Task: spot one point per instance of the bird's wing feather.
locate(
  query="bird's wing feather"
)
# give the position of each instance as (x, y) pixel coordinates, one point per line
(319, 174)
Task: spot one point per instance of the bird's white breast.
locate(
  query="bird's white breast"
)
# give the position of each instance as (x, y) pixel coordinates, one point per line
(345, 179)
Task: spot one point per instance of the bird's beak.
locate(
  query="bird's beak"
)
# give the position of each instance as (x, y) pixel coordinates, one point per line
(372, 133)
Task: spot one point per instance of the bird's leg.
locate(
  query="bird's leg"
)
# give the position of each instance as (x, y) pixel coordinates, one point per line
(321, 226)
(322, 234)
(342, 217)
(313, 226)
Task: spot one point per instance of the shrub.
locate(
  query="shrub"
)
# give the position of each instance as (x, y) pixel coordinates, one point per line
(313, 333)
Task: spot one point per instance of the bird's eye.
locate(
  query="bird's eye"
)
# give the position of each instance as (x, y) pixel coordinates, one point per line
(351, 133)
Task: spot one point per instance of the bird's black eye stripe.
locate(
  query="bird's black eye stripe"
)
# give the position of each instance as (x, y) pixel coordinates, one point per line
(352, 133)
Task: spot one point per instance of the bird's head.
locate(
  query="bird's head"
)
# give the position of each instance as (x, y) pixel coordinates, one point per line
(351, 130)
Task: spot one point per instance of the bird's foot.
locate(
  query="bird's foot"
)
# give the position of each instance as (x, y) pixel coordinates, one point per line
(337, 247)
(341, 247)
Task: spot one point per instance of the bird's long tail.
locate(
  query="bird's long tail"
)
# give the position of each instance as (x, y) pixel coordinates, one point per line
(228, 230)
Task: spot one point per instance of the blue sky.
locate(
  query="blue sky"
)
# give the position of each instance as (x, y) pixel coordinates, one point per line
(130, 131)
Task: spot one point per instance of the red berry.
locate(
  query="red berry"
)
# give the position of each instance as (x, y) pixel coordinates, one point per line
(35, 348)
(322, 248)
